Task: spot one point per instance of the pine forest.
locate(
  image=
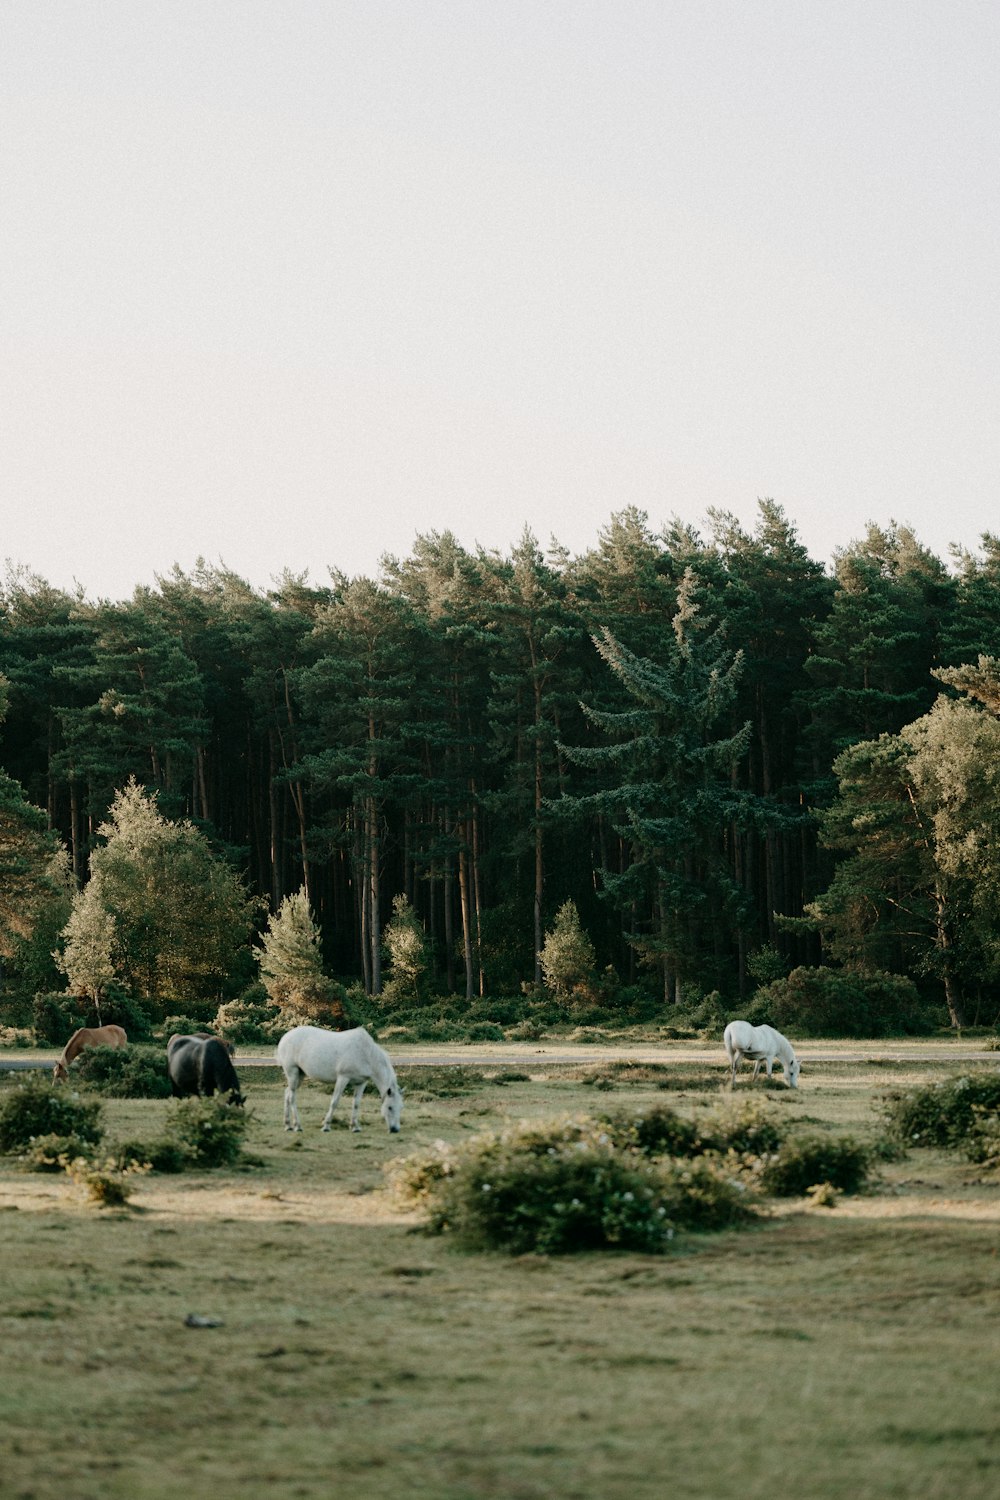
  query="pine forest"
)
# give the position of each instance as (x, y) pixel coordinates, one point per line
(679, 775)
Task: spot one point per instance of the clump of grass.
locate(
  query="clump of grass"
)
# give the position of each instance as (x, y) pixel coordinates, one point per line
(948, 1113)
(164, 1154)
(104, 1181)
(39, 1107)
(129, 1072)
(49, 1153)
(814, 1161)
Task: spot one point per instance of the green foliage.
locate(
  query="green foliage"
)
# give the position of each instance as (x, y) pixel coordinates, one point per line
(809, 1161)
(404, 946)
(211, 1130)
(745, 1128)
(568, 957)
(56, 1015)
(833, 1002)
(37, 1107)
(567, 1185)
(552, 1193)
(250, 1019)
(161, 913)
(103, 1180)
(947, 1113)
(659, 1131)
(291, 967)
(165, 1154)
(131, 1072)
(49, 1153)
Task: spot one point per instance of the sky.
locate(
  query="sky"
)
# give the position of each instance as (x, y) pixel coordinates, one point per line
(285, 284)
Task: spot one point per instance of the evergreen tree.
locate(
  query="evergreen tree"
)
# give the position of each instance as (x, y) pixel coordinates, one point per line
(568, 956)
(291, 965)
(668, 786)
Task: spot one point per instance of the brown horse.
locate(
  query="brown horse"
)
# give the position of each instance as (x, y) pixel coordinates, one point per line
(87, 1036)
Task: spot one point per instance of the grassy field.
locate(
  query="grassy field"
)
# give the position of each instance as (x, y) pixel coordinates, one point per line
(827, 1352)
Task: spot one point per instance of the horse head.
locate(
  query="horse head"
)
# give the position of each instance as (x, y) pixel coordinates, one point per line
(792, 1073)
(392, 1106)
(59, 1072)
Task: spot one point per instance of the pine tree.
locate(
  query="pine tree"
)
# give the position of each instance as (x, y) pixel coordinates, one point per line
(667, 785)
(291, 966)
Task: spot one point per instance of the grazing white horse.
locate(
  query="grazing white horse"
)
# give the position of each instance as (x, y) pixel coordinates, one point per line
(340, 1058)
(760, 1044)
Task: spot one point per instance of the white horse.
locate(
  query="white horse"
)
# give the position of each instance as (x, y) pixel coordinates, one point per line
(760, 1044)
(340, 1058)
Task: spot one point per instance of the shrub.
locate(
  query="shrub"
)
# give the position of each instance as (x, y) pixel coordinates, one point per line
(39, 1107)
(746, 1126)
(125, 1072)
(561, 1186)
(211, 1129)
(704, 1195)
(944, 1113)
(180, 1025)
(812, 1160)
(251, 1019)
(828, 1002)
(582, 1197)
(659, 1131)
(164, 1154)
(49, 1153)
(56, 1015)
(104, 1181)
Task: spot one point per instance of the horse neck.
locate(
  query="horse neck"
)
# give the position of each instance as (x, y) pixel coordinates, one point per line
(383, 1074)
(784, 1050)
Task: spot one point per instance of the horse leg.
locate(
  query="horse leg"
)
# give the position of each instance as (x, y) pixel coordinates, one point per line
(335, 1100)
(756, 1070)
(291, 1116)
(356, 1111)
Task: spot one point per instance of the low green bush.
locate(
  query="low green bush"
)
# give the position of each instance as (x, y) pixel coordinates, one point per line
(559, 1186)
(164, 1154)
(659, 1131)
(809, 1161)
(945, 1113)
(131, 1072)
(251, 1019)
(705, 1195)
(834, 1002)
(49, 1153)
(211, 1129)
(39, 1107)
(747, 1126)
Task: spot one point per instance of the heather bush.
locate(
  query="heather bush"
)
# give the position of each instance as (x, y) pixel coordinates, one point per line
(560, 1186)
(809, 1161)
(945, 1113)
(131, 1072)
(49, 1153)
(39, 1107)
(104, 1181)
(211, 1130)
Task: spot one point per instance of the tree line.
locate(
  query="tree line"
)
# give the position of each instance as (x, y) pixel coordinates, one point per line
(731, 761)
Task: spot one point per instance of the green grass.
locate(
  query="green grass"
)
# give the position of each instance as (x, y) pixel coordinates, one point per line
(825, 1353)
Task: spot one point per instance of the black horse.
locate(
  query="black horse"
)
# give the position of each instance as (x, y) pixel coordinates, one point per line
(201, 1065)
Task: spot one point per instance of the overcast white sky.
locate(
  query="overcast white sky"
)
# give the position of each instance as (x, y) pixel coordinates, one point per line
(284, 283)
